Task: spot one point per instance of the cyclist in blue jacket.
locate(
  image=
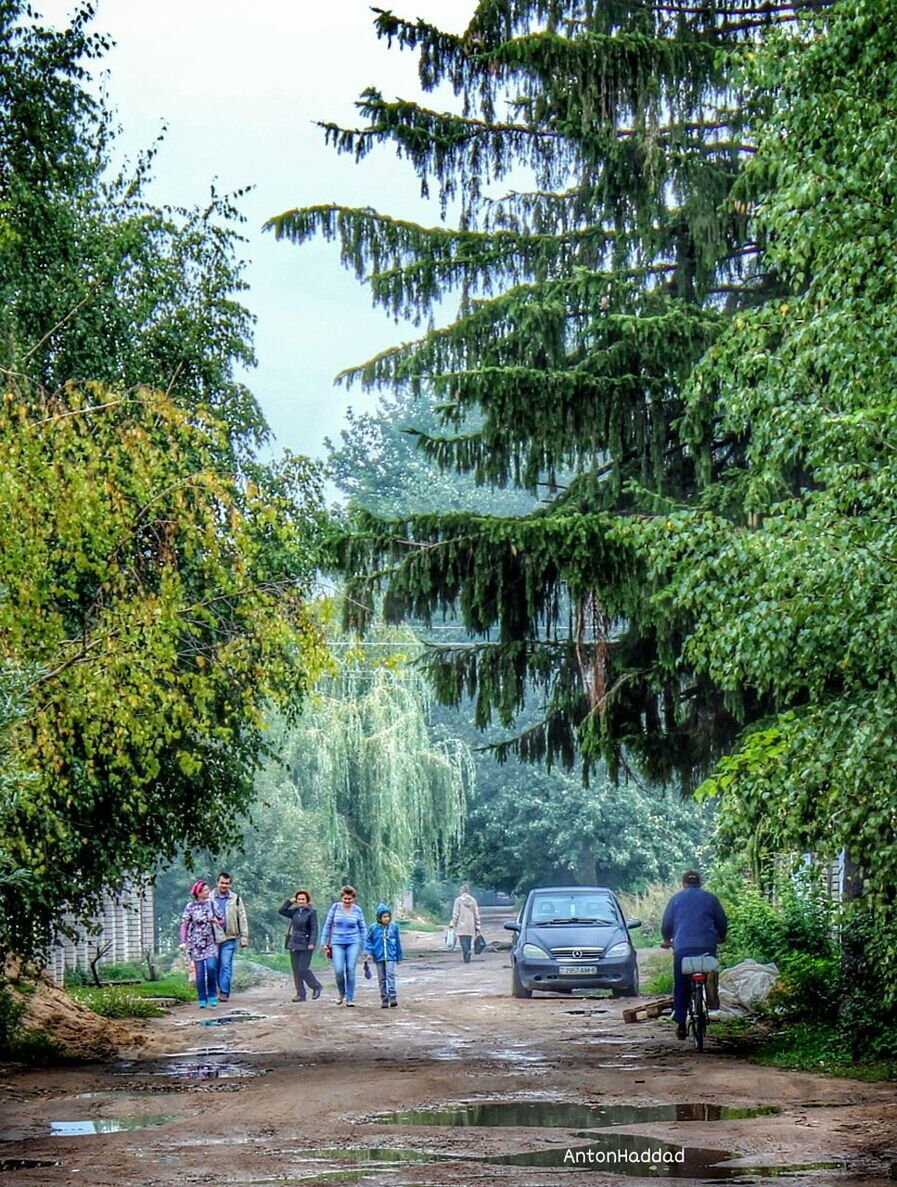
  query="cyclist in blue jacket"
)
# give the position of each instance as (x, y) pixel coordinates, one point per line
(694, 923)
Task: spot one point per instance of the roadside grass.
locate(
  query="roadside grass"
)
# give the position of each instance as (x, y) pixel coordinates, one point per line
(133, 1001)
(798, 1047)
(656, 972)
(647, 905)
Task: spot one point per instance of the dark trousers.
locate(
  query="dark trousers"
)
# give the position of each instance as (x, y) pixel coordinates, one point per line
(300, 959)
(682, 984)
(466, 941)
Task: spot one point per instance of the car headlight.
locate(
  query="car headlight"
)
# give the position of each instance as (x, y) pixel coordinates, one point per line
(535, 952)
(618, 950)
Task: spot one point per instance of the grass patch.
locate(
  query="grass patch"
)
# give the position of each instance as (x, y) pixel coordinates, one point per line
(800, 1047)
(659, 983)
(819, 1047)
(116, 1002)
(278, 962)
(133, 1001)
(645, 938)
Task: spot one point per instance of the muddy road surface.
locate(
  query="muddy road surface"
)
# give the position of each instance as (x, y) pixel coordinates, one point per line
(461, 1084)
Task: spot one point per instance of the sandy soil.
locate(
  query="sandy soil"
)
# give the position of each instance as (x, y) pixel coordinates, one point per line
(296, 1095)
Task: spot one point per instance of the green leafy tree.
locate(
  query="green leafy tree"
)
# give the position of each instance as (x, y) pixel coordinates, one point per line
(97, 283)
(379, 467)
(383, 791)
(155, 579)
(160, 603)
(356, 789)
(587, 295)
(795, 598)
(533, 827)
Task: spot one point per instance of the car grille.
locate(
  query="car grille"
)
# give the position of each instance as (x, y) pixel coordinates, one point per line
(577, 953)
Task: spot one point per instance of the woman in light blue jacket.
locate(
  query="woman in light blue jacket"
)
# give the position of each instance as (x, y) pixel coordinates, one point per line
(343, 940)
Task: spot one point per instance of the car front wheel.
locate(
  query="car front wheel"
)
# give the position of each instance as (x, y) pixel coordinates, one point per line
(630, 990)
(518, 989)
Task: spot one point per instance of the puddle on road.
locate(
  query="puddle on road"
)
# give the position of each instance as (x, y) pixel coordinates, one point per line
(119, 1093)
(71, 1129)
(208, 1063)
(632, 1156)
(25, 1164)
(552, 1114)
(375, 1155)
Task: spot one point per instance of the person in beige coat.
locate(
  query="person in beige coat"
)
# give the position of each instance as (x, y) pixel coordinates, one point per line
(466, 920)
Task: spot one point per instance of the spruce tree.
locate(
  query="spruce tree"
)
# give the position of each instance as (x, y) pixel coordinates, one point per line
(591, 169)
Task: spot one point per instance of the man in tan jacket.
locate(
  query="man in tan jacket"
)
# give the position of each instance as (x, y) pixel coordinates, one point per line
(466, 919)
(236, 927)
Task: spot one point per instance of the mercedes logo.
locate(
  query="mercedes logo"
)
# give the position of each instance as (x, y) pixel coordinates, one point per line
(577, 954)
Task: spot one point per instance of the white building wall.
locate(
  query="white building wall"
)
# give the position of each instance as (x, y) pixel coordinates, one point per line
(126, 921)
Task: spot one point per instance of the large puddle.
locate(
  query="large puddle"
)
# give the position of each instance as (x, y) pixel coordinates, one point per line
(71, 1129)
(641, 1157)
(205, 1063)
(624, 1154)
(551, 1114)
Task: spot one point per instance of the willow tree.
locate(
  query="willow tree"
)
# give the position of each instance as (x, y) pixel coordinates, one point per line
(368, 788)
(587, 292)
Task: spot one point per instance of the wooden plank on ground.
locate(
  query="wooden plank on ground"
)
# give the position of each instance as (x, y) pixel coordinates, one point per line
(646, 1010)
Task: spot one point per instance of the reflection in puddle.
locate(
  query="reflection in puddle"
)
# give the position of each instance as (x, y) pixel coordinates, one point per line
(230, 1019)
(212, 1066)
(25, 1164)
(378, 1155)
(550, 1114)
(71, 1129)
(641, 1157)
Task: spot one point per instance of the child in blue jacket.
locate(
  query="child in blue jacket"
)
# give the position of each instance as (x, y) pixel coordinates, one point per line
(384, 947)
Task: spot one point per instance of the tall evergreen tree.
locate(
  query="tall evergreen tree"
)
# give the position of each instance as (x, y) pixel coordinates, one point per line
(587, 294)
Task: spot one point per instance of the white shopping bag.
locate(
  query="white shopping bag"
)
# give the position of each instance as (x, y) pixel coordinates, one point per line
(449, 938)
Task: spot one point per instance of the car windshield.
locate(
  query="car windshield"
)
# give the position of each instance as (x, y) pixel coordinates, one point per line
(573, 908)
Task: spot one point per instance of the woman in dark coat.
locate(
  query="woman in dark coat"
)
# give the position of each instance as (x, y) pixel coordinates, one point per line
(301, 941)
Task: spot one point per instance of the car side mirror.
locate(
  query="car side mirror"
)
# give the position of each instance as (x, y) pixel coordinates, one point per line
(512, 927)
(632, 924)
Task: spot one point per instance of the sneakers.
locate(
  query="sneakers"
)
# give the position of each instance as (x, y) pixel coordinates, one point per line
(384, 1005)
(213, 1001)
(297, 998)
(202, 1005)
(340, 1000)
(393, 1003)
(681, 1031)
(350, 1004)
(223, 997)
(315, 994)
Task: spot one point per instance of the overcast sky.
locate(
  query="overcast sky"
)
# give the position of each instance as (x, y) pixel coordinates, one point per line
(239, 87)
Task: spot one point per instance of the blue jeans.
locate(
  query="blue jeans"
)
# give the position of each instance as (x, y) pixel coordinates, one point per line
(226, 965)
(386, 976)
(206, 978)
(345, 958)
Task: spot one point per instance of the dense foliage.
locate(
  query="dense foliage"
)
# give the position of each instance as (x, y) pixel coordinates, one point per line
(692, 304)
(154, 577)
(586, 298)
(528, 827)
(96, 282)
(158, 604)
(355, 790)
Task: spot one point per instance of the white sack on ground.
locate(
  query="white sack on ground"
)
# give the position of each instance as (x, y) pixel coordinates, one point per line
(745, 986)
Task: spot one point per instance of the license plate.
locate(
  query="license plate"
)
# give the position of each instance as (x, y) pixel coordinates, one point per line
(573, 970)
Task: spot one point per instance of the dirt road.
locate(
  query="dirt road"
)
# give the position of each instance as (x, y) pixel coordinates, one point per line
(548, 1091)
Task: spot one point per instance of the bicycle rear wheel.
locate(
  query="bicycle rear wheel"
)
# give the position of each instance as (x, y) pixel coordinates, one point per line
(698, 1014)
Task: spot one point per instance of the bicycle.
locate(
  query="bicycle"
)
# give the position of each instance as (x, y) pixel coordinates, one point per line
(698, 968)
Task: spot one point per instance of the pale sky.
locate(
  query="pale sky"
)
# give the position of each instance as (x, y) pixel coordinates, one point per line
(239, 87)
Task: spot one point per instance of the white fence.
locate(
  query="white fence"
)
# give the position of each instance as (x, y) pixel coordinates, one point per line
(125, 922)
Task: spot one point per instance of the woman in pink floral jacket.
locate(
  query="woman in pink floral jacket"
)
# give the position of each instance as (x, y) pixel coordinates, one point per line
(198, 942)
